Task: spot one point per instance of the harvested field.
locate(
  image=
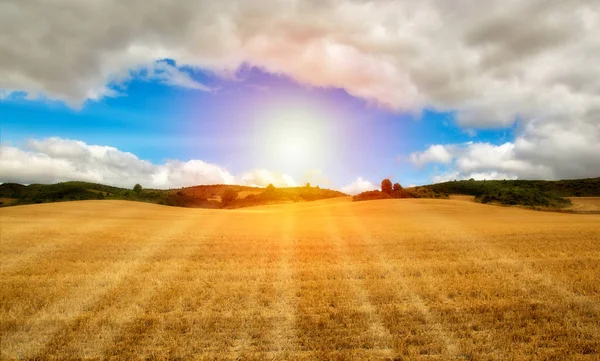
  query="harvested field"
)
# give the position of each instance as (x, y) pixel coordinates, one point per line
(461, 197)
(390, 280)
(585, 204)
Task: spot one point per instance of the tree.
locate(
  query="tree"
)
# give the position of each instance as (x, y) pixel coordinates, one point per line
(270, 188)
(397, 187)
(229, 196)
(100, 195)
(307, 184)
(137, 188)
(386, 186)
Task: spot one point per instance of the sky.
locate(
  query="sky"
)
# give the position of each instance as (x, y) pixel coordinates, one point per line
(339, 93)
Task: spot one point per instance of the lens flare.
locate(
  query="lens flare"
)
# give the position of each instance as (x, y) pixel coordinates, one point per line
(294, 139)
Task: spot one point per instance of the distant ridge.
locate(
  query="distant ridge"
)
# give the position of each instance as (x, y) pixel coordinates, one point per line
(514, 192)
(201, 196)
(538, 194)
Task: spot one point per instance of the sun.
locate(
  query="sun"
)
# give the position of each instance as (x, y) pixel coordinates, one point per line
(294, 139)
(292, 143)
(295, 148)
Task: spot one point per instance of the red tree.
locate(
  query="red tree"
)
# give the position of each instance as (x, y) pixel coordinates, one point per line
(386, 186)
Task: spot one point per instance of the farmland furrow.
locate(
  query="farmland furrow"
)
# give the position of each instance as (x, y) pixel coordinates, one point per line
(379, 335)
(38, 241)
(81, 301)
(486, 263)
(150, 290)
(397, 299)
(283, 336)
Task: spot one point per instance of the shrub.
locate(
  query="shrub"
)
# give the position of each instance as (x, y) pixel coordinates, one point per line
(228, 196)
(370, 195)
(137, 188)
(397, 187)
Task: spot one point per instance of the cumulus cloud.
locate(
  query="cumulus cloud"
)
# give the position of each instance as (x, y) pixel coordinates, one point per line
(500, 58)
(171, 75)
(54, 160)
(434, 154)
(359, 185)
(488, 62)
(576, 156)
(263, 177)
(316, 178)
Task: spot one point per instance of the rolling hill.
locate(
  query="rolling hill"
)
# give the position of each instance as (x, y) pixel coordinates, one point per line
(203, 196)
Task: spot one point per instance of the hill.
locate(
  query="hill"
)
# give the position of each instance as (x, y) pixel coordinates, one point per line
(204, 196)
(531, 193)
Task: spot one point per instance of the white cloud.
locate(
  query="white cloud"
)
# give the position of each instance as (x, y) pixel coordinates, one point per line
(455, 175)
(174, 174)
(263, 177)
(550, 153)
(434, 154)
(316, 177)
(480, 160)
(447, 177)
(54, 160)
(171, 75)
(359, 185)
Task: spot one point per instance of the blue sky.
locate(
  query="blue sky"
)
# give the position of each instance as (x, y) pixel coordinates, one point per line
(243, 91)
(158, 122)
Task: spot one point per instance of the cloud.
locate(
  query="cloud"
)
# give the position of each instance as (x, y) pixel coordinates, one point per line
(171, 75)
(434, 154)
(174, 174)
(263, 177)
(455, 175)
(54, 160)
(316, 177)
(501, 58)
(540, 152)
(480, 160)
(359, 185)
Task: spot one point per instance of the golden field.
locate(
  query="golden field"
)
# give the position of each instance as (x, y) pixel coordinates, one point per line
(406, 279)
(585, 204)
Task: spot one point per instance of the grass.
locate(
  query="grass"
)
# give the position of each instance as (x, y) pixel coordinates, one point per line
(411, 279)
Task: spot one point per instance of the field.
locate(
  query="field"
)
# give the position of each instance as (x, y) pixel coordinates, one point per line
(585, 204)
(397, 279)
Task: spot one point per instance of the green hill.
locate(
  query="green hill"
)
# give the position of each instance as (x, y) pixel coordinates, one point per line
(205, 196)
(515, 192)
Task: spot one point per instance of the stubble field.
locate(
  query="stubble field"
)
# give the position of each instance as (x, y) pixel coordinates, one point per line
(392, 279)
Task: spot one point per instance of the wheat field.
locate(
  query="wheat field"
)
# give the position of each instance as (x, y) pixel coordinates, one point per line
(401, 279)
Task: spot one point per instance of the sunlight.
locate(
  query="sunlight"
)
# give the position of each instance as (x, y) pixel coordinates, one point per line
(295, 148)
(295, 139)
